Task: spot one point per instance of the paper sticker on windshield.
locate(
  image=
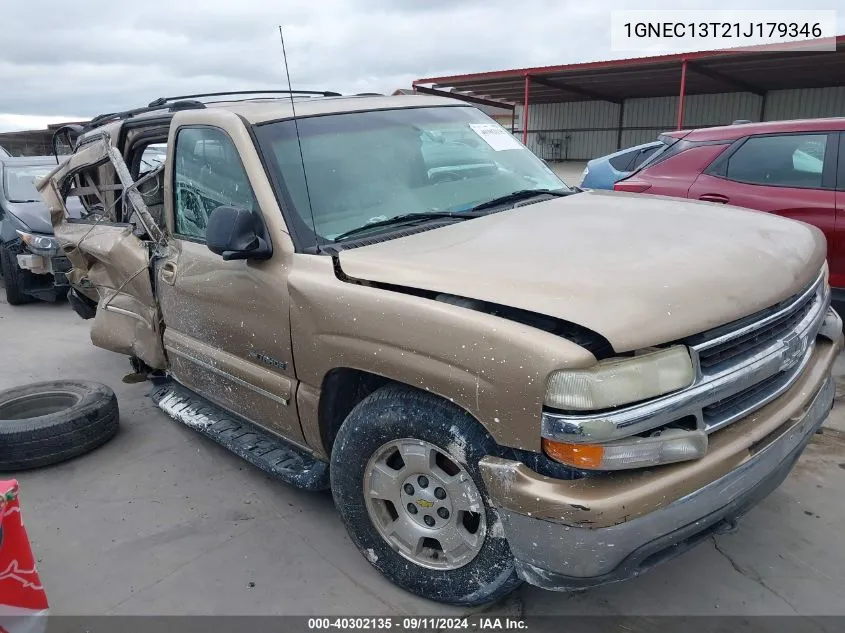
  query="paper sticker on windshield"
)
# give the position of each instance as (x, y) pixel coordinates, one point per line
(495, 136)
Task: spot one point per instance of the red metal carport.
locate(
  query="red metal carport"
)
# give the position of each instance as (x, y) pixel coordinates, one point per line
(756, 70)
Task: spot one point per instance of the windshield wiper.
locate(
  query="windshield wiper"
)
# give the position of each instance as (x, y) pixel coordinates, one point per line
(405, 218)
(521, 194)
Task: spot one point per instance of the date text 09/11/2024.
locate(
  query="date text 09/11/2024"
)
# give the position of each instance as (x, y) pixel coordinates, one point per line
(419, 623)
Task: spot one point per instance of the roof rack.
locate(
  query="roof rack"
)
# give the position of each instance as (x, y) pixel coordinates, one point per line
(189, 102)
(322, 93)
(125, 114)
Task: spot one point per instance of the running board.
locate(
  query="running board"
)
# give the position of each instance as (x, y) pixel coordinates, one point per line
(268, 452)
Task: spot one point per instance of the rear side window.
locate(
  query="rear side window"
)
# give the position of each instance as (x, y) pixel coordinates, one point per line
(629, 161)
(644, 155)
(623, 161)
(794, 160)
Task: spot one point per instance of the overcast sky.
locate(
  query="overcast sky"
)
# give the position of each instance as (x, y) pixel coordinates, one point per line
(70, 60)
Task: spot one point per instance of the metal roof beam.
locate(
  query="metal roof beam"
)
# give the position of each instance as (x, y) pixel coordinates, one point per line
(464, 97)
(573, 89)
(750, 52)
(724, 78)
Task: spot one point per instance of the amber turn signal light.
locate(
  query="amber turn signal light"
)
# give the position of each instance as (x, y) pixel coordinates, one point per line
(578, 455)
(667, 447)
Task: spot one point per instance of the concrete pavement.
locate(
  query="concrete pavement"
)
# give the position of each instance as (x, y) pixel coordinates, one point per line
(162, 521)
(570, 171)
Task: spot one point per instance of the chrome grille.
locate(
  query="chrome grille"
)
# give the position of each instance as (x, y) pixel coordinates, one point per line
(747, 343)
(754, 361)
(741, 403)
(739, 367)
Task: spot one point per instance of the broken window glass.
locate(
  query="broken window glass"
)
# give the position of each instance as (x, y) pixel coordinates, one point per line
(208, 174)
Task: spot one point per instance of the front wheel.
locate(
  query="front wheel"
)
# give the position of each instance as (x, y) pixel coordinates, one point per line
(406, 482)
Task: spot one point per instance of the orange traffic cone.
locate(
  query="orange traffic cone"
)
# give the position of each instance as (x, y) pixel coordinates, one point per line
(22, 597)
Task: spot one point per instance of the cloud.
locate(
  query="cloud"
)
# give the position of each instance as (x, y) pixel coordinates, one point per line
(104, 55)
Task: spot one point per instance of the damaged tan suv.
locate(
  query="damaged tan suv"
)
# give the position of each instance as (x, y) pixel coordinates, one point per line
(499, 377)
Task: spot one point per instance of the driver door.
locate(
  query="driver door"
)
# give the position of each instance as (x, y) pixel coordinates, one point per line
(227, 330)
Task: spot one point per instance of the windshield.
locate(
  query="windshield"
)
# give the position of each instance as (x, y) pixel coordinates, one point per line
(19, 182)
(365, 167)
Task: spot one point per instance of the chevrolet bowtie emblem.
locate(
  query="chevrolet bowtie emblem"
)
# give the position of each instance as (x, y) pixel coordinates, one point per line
(794, 349)
(423, 503)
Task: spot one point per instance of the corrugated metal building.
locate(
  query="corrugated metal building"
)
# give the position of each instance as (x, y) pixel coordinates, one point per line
(586, 129)
(581, 111)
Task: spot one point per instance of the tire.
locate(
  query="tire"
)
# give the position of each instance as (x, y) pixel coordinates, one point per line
(396, 414)
(12, 278)
(50, 422)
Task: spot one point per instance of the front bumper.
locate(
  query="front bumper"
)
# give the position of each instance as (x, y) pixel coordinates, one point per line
(42, 277)
(57, 266)
(574, 534)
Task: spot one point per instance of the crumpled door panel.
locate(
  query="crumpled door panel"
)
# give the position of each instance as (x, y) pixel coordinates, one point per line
(111, 263)
(116, 263)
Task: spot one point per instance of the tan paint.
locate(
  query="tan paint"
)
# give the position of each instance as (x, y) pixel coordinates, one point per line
(116, 263)
(226, 316)
(274, 109)
(209, 309)
(308, 403)
(584, 259)
(640, 270)
(622, 496)
(87, 157)
(493, 368)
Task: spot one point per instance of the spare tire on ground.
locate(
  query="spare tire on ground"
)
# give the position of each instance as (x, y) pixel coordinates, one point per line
(49, 422)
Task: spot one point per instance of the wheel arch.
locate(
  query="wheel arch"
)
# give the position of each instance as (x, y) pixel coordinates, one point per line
(342, 388)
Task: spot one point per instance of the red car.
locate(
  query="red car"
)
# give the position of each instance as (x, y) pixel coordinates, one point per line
(792, 168)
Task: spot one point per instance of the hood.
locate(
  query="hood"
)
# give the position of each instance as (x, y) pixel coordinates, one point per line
(36, 215)
(639, 270)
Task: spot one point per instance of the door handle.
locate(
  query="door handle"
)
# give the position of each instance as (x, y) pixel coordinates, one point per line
(168, 273)
(714, 197)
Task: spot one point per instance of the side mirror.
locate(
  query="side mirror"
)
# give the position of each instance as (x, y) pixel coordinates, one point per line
(68, 134)
(236, 233)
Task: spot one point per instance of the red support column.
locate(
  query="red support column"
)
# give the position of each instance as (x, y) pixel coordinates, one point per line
(681, 96)
(525, 110)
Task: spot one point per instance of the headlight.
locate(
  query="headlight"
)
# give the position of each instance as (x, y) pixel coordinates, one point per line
(41, 244)
(618, 381)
